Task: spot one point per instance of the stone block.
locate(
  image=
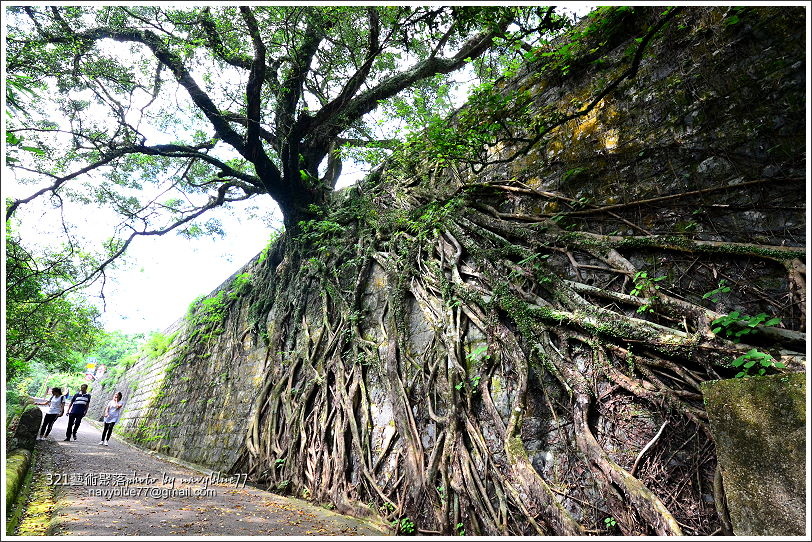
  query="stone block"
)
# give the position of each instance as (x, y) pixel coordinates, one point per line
(759, 425)
(25, 435)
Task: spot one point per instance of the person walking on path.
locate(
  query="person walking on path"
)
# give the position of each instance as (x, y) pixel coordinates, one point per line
(76, 411)
(112, 412)
(56, 408)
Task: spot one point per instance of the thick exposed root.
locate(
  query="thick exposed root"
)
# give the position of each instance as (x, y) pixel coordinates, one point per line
(356, 410)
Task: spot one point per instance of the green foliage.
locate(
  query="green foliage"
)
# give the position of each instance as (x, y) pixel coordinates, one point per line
(583, 41)
(647, 285)
(736, 325)
(319, 231)
(15, 404)
(115, 347)
(441, 492)
(332, 66)
(610, 522)
(714, 294)
(210, 228)
(467, 135)
(572, 173)
(404, 526)
(157, 344)
(460, 529)
(19, 88)
(68, 381)
(206, 315)
(275, 235)
(736, 15)
(474, 383)
(643, 283)
(755, 362)
(41, 326)
(424, 222)
(240, 285)
(477, 355)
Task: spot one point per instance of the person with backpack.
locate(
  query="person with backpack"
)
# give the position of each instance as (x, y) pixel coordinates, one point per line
(56, 408)
(76, 411)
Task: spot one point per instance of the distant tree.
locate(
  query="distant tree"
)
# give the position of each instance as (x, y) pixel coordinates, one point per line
(42, 328)
(113, 346)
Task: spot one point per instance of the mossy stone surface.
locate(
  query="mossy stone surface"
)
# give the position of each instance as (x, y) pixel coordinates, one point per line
(17, 463)
(759, 424)
(26, 434)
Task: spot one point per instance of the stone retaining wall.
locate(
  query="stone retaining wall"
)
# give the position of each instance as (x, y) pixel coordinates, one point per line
(191, 402)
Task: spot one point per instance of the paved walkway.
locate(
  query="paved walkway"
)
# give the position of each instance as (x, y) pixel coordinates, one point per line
(121, 490)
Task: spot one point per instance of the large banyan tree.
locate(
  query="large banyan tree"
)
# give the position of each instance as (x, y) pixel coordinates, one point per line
(503, 329)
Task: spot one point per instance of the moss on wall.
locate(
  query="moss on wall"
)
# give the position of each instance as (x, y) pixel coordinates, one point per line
(17, 463)
(759, 425)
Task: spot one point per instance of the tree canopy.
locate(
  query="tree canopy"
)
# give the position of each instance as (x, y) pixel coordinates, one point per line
(41, 328)
(163, 114)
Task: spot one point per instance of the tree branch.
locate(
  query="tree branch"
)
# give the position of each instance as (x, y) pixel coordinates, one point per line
(358, 78)
(290, 91)
(367, 101)
(214, 201)
(254, 89)
(178, 151)
(269, 174)
(216, 44)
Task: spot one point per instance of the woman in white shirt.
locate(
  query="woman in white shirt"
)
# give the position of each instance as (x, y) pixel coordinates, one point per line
(56, 408)
(112, 412)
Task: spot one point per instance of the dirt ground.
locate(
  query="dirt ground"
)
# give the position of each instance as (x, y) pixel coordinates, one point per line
(121, 490)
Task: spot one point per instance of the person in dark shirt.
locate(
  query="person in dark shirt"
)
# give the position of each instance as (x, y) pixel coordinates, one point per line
(76, 411)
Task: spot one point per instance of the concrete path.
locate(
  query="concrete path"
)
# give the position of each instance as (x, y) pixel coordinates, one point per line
(121, 490)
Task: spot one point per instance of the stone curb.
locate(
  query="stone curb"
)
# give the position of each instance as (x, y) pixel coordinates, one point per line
(18, 462)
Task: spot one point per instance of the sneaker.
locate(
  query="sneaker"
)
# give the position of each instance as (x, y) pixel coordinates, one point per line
(101, 442)
(66, 439)
(107, 443)
(74, 437)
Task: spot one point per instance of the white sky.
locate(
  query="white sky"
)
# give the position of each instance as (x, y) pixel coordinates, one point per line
(162, 275)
